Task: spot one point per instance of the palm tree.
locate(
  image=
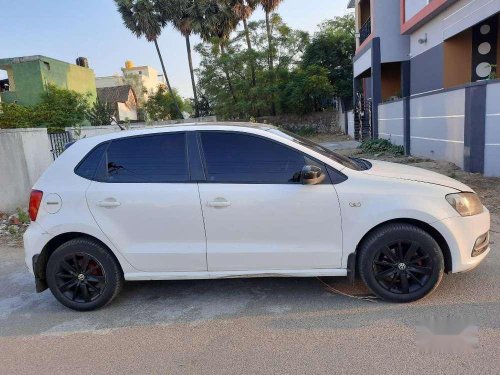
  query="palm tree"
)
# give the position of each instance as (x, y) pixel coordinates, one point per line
(177, 13)
(215, 20)
(144, 18)
(243, 9)
(269, 6)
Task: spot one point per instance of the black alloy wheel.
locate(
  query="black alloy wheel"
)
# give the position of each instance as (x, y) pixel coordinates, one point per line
(83, 274)
(402, 267)
(80, 278)
(400, 262)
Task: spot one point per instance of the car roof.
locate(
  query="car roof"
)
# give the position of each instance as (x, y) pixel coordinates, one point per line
(155, 129)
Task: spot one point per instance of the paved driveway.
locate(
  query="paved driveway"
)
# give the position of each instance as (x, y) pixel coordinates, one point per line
(243, 326)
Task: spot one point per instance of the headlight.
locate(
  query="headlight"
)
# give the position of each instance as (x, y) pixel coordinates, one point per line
(466, 204)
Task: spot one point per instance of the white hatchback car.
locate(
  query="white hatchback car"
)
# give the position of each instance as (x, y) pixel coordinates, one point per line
(224, 200)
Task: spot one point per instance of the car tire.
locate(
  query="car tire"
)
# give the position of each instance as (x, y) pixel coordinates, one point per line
(83, 275)
(401, 262)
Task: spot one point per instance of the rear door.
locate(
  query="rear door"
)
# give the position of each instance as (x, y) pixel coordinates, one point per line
(258, 216)
(147, 205)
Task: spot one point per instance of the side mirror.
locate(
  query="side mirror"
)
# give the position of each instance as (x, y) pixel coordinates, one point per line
(311, 175)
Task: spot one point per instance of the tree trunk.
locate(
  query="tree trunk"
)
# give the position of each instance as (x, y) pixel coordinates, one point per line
(166, 79)
(270, 60)
(249, 45)
(269, 43)
(228, 78)
(193, 83)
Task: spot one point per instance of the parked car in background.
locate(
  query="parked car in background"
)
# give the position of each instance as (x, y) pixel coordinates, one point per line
(207, 201)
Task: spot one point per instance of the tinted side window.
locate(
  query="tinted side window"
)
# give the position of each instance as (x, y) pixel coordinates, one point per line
(158, 158)
(88, 166)
(242, 158)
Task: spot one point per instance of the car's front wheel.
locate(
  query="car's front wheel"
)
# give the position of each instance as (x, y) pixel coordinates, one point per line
(83, 275)
(401, 262)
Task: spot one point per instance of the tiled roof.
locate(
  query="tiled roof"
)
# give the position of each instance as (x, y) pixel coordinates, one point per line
(116, 94)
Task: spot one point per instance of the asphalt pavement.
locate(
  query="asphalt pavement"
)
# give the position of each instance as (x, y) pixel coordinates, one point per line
(250, 326)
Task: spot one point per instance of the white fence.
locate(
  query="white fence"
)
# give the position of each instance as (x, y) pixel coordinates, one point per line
(437, 126)
(26, 153)
(391, 122)
(24, 156)
(492, 135)
(89, 131)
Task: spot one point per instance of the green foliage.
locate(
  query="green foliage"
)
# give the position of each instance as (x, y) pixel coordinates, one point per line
(301, 90)
(61, 108)
(16, 116)
(333, 48)
(101, 113)
(23, 216)
(162, 106)
(58, 108)
(381, 146)
(305, 76)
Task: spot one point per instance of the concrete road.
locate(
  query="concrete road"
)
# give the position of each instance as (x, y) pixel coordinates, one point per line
(253, 326)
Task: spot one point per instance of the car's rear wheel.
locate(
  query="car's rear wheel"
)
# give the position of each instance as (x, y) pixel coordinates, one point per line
(401, 262)
(83, 275)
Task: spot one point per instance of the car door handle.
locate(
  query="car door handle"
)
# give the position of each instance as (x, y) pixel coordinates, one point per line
(219, 203)
(108, 204)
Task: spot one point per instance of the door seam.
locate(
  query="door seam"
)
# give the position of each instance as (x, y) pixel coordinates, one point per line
(204, 225)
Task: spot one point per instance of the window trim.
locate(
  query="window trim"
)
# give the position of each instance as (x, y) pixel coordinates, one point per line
(102, 176)
(327, 181)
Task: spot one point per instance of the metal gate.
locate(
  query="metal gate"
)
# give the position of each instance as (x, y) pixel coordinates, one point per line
(362, 118)
(57, 142)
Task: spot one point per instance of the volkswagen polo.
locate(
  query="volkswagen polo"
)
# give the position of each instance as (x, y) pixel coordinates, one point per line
(204, 201)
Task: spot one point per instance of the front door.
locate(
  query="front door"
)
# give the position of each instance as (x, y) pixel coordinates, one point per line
(258, 216)
(146, 205)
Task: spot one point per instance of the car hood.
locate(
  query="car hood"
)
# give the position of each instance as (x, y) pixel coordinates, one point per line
(404, 172)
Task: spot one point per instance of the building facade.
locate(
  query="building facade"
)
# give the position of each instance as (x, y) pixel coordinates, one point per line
(143, 79)
(29, 76)
(123, 101)
(425, 77)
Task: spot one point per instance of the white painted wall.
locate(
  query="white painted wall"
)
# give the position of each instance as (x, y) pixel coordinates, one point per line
(124, 112)
(455, 19)
(24, 156)
(391, 122)
(412, 7)
(363, 63)
(387, 26)
(350, 124)
(90, 131)
(437, 126)
(492, 136)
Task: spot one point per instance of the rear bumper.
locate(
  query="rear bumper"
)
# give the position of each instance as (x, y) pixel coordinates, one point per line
(35, 238)
(461, 234)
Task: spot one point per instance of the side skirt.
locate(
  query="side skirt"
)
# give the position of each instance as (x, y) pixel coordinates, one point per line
(141, 276)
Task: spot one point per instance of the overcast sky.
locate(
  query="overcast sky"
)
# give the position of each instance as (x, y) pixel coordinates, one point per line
(66, 29)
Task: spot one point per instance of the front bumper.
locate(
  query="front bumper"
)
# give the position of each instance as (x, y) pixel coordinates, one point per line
(461, 234)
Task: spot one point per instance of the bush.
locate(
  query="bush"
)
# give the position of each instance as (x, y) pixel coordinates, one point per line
(381, 146)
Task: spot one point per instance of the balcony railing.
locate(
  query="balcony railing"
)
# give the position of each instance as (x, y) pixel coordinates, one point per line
(365, 30)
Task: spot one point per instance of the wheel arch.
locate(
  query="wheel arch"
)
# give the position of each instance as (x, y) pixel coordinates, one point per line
(40, 266)
(433, 232)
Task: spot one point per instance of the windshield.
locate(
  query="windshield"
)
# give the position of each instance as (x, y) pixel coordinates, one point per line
(341, 159)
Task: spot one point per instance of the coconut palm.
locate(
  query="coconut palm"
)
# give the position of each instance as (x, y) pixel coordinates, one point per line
(269, 6)
(177, 13)
(215, 20)
(144, 18)
(243, 9)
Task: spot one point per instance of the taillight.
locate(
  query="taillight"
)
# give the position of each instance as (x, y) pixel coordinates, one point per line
(35, 200)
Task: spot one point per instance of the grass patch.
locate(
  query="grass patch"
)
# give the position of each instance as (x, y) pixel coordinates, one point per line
(381, 146)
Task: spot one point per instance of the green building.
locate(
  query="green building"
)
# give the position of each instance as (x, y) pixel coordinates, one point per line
(29, 76)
